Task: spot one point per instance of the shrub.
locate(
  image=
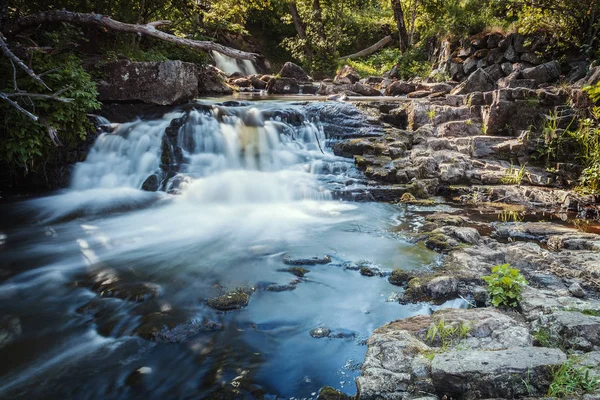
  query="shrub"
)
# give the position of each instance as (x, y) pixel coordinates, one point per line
(505, 285)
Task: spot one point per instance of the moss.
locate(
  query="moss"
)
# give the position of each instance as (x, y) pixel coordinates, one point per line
(329, 393)
(408, 198)
(438, 242)
(399, 277)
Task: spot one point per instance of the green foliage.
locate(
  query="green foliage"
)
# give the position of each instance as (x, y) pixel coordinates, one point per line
(26, 143)
(514, 176)
(571, 379)
(375, 64)
(505, 285)
(542, 336)
(447, 334)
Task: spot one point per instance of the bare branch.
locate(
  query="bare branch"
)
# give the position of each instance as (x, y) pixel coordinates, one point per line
(40, 96)
(4, 97)
(109, 23)
(20, 63)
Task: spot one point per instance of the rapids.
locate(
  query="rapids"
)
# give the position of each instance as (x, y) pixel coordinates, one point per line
(90, 274)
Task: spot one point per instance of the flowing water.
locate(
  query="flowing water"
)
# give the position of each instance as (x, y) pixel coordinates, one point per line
(104, 287)
(230, 65)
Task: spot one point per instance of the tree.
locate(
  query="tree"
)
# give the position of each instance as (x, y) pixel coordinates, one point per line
(401, 24)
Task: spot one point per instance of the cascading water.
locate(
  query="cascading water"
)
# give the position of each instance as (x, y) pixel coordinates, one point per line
(230, 65)
(105, 272)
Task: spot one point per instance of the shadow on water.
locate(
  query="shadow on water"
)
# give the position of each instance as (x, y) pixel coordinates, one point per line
(104, 287)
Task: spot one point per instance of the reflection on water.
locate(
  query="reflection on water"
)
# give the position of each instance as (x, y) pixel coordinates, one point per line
(91, 274)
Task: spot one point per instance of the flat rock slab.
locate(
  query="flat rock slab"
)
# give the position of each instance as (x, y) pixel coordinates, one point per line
(504, 373)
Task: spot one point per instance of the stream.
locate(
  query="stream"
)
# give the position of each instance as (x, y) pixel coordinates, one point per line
(104, 287)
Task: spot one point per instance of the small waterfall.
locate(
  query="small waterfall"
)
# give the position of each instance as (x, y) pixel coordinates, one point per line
(230, 65)
(213, 154)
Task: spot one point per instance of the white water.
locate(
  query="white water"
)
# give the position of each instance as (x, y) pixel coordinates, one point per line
(230, 65)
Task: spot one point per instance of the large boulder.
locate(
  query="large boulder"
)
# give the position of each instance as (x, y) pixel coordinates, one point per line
(399, 88)
(163, 83)
(510, 373)
(291, 70)
(478, 81)
(347, 75)
(211, 81)
(543, 73)
(283, 86)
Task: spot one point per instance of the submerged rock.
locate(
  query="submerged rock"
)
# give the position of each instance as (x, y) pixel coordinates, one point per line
(230, 301)
(320, 332)
(329, 393)
(325, 259)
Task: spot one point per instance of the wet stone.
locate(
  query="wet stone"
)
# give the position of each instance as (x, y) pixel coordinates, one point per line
(366, 271)
(399, 277)
(298, 271)
(230, 301)
(166, 328)
(325, 259)
(320, 332)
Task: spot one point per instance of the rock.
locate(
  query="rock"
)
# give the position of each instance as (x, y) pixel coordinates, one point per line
(572, 330)
(366, 271)
(291, 70)
(511, 54)
(532, 58)
(283, 86)
(495, 72)
(470, 65)
(440, 218)
(230, 301)
(329, 393)
(543, 73)
(576, 290)
(307, 261)
(163, 83)
(399, 277)
(493, 40)
(258, 83)
(507, 373)
(364, 90)
(456, 69)
(151, 184)
(298, 271)
(211, 82)
(320, 332)
(347, 75)
(478, 81)
(399, 88)
(531, 230)
(241, 82)
(419, 94)
(182, 332)
(442, 287)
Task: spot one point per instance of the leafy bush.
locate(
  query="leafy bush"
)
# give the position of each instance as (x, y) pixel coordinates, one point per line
(26, 144)
(505, 285)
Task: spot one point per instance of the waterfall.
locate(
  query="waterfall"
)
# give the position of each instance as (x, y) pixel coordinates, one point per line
(216, 154)
(230, 65)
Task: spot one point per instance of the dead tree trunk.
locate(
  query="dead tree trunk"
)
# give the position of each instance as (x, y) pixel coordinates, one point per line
(399, 18)
(369, 50)
(300, 29)
(111, 24)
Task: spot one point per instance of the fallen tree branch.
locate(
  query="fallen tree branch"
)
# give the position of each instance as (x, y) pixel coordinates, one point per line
(4, 97)
(20, 63)
(369, 50)
(55, 96)
(109, 23)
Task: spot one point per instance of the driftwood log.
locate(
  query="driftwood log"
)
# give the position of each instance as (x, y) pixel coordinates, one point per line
(149, 29)
(369, 50)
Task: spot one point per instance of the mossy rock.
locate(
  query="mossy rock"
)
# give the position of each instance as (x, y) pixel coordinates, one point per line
(438, 242)
(366, 271)
(399, 277)
(329, 393)
(230, 301)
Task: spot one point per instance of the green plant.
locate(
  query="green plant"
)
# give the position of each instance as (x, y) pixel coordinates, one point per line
(571, 379)
(514, 176)
(431, 114)
(447, 334)
(505, 285)
(542, 336)
(511, 216)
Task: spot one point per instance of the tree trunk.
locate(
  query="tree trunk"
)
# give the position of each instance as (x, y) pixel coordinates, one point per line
(109, 23)
(300, 29)
(369, 50)
(399, 18)
(318, 17)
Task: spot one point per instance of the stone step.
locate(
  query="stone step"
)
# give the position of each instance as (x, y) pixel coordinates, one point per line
(461, 128)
